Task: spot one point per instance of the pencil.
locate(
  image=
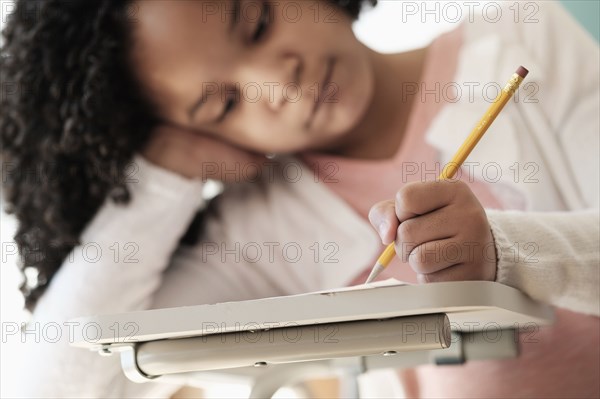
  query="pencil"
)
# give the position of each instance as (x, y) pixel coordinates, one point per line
(463, 152)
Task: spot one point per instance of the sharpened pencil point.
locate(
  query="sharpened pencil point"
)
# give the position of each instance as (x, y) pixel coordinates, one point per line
(378, 268)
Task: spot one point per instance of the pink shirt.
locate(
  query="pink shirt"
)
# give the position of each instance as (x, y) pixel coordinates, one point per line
(558, 361)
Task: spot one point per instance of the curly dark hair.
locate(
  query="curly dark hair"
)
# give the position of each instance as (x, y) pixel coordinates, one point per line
(66, 141)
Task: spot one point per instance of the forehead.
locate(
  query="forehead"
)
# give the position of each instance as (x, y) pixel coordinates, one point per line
(181, 36)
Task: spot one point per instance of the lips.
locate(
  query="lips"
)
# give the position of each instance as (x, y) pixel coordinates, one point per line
(322, 90)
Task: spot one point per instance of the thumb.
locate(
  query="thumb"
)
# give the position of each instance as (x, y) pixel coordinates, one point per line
(383, 217)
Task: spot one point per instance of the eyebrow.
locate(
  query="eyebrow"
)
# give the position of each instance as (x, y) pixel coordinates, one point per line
(234, 21)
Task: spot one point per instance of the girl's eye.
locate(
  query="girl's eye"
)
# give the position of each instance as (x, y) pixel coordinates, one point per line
(229, 106)
(263, 22)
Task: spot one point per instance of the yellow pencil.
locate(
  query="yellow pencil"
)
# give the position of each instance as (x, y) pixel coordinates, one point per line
(463, 152)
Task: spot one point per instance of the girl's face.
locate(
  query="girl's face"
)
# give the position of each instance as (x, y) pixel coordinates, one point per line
(283, 76)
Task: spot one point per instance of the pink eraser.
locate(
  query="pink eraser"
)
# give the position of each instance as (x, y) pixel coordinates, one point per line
(522, 71)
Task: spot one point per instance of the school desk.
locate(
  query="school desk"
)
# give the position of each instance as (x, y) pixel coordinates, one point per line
(273, 342)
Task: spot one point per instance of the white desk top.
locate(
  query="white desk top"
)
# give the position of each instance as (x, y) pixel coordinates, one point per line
(470, 306)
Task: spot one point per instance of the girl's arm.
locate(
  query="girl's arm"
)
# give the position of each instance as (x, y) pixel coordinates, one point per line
(554, 256)
(117, 268)
(551, 256)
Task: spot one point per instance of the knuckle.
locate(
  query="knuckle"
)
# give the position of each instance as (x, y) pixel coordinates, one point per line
(400, 198)
(405, 196)
(460, 188)
(405, 231)
(380, 212)
(374, 213)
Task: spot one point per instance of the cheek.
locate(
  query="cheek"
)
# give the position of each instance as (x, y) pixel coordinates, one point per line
(350, 94)
(259, 130)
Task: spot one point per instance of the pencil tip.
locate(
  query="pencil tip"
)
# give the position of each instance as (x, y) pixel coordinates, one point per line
(375, 272)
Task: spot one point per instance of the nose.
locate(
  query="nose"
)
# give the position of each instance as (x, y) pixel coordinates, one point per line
(286, 82)
(277, 77)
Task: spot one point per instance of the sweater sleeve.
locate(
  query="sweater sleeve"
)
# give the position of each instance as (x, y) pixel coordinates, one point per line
(117, 268)
(551, 256)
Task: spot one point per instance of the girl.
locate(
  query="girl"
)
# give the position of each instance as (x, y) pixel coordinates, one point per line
(126, 108)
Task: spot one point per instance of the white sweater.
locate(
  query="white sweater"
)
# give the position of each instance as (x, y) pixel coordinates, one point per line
(251, 251)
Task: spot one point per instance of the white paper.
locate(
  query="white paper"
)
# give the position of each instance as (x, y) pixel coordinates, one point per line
(360, 287)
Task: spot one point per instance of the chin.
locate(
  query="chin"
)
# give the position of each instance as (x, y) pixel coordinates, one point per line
(347, 114)
(292, 145)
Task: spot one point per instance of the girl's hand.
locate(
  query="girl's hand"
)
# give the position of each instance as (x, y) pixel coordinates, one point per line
(441, 229)
(196, 155)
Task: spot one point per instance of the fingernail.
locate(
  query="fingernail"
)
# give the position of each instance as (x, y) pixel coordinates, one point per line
(383, 228)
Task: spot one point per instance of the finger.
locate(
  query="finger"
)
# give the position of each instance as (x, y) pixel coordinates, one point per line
(221, 159)
(419, 198)
(454, 273)
(227, 152)
(433, 226)
(383, 217)
(193, 153)
(435, 256)
(208, 143)
(164, 136)
(224, 151)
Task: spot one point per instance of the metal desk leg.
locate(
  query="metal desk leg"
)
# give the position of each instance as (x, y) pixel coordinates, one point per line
(267, 384)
